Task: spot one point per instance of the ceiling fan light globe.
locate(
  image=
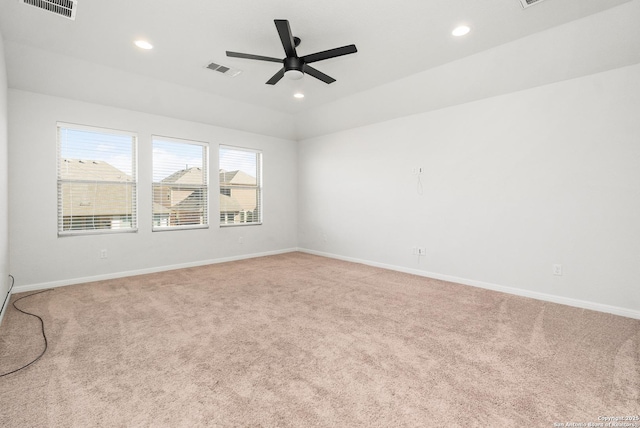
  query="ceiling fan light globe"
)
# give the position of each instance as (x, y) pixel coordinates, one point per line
(294, 74)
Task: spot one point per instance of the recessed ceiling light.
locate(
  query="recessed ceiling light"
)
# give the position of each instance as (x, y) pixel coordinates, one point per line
(461, 30)
(143, 44)
(298, 95)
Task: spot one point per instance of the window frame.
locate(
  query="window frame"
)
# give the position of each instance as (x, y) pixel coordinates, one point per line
(59, 181)
(259, 186)
(206, 186)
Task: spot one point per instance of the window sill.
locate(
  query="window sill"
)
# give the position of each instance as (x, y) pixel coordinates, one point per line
(94, 232)
(171, 228)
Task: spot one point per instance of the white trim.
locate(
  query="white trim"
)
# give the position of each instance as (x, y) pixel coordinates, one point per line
(81, 232)
(60, 126)
(205, 185)
(584, 304)
(245, 149)
(615, 310)
(180, 140)
(183, 227)
(64, 282)
(96, 129)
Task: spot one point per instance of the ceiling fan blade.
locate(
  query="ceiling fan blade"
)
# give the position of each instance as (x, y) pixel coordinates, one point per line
(284, 31)
(276, 77)
(250, 56)
(331, 53)
(318, 74)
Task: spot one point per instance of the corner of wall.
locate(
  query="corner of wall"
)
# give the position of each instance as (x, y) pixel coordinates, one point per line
(4, 180)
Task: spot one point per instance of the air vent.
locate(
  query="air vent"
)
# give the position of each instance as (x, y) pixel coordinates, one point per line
(231, 72)
(66, 8)
(529, 3)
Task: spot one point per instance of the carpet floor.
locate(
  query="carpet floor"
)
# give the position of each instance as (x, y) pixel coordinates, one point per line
(296, 340)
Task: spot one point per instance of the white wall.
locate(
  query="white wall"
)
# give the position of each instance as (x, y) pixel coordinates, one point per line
(39, 258)
(81, 80)
(512, 185)
(4, 177)
(596, 43)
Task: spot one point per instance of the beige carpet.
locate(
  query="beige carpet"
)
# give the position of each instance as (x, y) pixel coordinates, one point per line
(296, 340)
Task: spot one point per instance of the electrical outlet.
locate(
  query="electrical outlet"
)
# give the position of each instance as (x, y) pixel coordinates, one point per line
(419, 251)
(557, 270)
(240, 240)
(103, 254)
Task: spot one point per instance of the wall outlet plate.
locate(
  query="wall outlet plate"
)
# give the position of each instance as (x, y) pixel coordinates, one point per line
(557, 269)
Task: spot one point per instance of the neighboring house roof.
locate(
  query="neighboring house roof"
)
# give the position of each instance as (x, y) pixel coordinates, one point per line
(229, 178)
(160, 209)
(80, 169)
(191, 175)
(192, 203)
(239, 182)
(180, 188)
(94, 197)
(229, 204)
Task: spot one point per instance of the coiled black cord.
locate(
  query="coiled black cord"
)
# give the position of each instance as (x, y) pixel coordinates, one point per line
(44, 336)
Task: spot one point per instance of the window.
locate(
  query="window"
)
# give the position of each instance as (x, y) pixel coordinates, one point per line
(240, 186)
(96, 180)
(180, 193)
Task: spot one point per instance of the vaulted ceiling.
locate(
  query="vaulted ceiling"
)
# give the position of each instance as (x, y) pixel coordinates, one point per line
(394, 40)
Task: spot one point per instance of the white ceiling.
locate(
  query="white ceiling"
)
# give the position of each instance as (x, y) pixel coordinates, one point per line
(394, 39)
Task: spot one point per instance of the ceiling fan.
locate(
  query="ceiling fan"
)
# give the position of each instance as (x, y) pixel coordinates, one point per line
(296, 66)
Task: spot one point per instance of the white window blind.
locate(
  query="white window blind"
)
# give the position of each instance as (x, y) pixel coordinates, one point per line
(180, 192)
(96, 180)
(240, 186)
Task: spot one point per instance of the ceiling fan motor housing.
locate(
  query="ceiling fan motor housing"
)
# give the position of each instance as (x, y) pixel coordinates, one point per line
(294, 67)
(293, 63)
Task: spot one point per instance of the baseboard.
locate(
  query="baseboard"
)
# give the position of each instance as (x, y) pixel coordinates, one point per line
(62, 283)
(629, 313)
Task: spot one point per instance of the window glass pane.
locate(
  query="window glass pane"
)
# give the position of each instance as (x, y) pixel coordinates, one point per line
(240, 176)
(96, 180)
(180, 193)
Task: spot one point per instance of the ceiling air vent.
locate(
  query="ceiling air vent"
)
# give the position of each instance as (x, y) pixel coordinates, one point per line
(66, 8)
(231, 72)
(528, 3)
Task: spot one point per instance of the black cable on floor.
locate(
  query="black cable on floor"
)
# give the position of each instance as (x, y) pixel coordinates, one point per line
(44, 336)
